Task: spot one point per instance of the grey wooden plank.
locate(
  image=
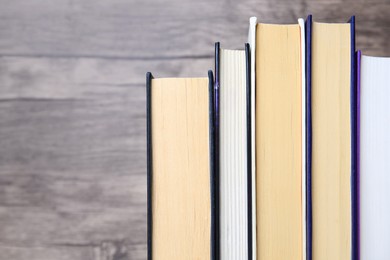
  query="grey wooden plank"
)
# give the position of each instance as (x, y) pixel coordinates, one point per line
(103, 251)
(45, 253)
(35, 226)
(75, 78)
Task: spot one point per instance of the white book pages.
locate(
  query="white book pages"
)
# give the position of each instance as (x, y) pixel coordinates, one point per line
(375, 158)
(233, 156)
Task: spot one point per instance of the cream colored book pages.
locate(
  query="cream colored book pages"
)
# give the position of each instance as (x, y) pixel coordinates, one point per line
(374, 158)
(331, 141)
(252, 45)
(181, 169)
(301, 23)
(279, 142)
(233, 156)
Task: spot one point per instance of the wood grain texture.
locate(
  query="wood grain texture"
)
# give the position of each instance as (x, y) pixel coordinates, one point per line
(72, 108)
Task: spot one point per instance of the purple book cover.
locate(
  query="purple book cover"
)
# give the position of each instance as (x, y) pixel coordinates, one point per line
(354, 145)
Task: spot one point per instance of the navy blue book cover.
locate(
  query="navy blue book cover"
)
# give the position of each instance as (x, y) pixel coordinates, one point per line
(308, 139)
(354, 162)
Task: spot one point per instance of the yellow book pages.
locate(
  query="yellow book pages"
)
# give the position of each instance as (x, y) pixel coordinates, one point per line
(278, 142)
(331, 141)
(181, 169)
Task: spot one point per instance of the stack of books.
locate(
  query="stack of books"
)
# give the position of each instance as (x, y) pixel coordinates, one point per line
(283, 152)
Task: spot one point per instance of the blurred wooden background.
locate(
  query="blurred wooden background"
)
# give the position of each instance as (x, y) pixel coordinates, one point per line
(72, 108)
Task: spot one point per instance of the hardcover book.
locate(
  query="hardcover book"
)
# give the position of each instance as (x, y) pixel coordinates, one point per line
(331, 145)
(374, 154)
(279, 137)
(233, 156)
(180, 150)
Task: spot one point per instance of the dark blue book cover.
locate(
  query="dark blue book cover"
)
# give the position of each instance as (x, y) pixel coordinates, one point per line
(354, 142)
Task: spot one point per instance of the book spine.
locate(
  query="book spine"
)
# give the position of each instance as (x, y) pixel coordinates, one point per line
(308, 33)
(149, 162)
(213, 248)
(354, 162)
(249, 147)
(216, 145)
(252, 48)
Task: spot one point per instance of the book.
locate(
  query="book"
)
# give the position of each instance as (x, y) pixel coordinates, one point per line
(374, 151)
(232, 85)
(279, 116)
(331, 141)
(180, 166)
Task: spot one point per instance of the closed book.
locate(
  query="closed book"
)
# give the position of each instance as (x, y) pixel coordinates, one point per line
(278, 129)
(233, 152)
(332, 140)
(180, 168)
(374, 155)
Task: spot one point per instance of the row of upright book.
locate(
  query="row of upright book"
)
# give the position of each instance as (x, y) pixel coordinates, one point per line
(283, 152)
